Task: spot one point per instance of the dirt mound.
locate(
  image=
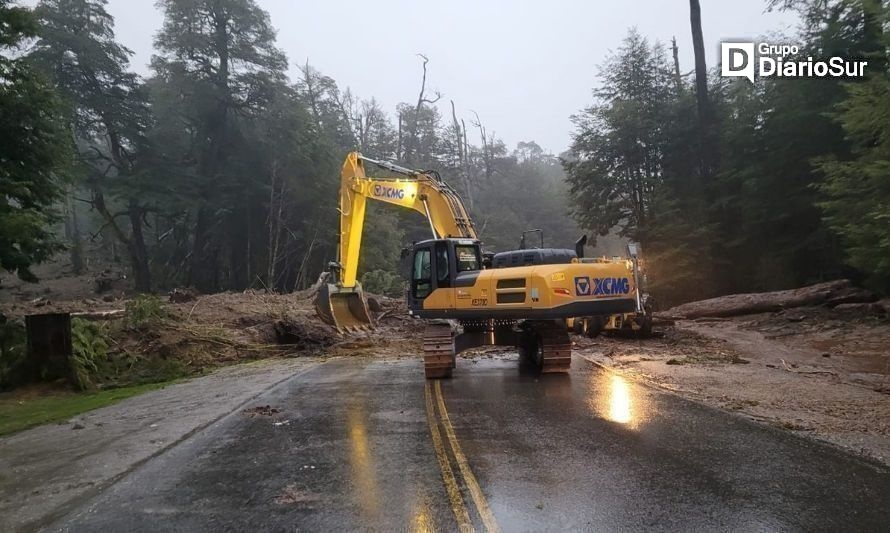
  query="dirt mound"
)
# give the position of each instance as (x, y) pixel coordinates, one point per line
(199, 332)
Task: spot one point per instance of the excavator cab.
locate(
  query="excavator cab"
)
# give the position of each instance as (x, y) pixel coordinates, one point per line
(441, 264)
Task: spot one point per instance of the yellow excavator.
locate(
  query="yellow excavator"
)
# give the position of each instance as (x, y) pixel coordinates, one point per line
(518, 298)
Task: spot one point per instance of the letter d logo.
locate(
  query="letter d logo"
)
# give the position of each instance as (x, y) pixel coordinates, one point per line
(737, 60)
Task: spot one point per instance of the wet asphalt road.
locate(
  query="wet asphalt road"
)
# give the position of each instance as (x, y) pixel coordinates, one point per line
(365, 445)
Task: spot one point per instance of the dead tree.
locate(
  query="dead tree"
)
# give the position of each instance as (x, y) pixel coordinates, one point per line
(411, 145)
(460, 136)
(311, 92)
(277, 202)
(486, 148)
(678, 79)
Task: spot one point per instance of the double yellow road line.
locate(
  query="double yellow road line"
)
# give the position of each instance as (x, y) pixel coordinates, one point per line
(451, 486)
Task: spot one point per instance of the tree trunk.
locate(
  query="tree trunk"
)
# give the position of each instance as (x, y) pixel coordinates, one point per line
(705, 116)
(202, 267)
(399, 143)
(72, 232)
(678, 79)
(138, 252)
(828, 293)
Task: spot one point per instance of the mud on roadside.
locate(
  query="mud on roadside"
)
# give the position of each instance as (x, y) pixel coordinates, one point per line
(819, 372)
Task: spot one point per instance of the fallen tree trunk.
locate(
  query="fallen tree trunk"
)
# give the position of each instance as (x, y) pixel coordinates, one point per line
(101, 315)
(831, 292)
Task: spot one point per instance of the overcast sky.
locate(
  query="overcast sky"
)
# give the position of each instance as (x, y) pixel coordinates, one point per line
(524, 66)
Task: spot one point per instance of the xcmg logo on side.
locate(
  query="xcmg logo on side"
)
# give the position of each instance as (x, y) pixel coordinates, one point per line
(601, 286)
(389, 192)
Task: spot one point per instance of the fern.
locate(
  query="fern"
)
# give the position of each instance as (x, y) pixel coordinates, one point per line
(89, 344)
(144, 310)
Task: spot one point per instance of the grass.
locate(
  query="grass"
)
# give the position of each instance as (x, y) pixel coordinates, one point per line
(19, 412)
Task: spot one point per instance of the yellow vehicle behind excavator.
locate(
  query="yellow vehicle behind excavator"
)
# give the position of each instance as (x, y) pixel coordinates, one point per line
(522, 298)
(638, 322)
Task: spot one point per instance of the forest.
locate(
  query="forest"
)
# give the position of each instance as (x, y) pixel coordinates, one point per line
(220, 172)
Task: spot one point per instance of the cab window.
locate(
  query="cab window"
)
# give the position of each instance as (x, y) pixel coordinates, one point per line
(467, 258)
(443, 273)
(422, 279)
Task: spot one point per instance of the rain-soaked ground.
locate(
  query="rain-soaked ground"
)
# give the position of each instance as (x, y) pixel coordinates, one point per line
(370, 445)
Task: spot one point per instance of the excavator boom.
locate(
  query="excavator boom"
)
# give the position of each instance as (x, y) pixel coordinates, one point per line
(340, 301)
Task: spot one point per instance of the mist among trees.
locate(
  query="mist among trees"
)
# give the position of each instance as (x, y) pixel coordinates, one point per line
(220, 171)
(755, 187)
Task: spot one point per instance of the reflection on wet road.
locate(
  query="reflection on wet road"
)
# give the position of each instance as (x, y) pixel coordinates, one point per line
(372, 446)
(614, 398)
(360, 459)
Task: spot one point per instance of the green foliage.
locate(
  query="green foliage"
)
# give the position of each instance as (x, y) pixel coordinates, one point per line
(382, 242)
(631, 169)
(615, 160)
(221, 173)
(108, 109)
(36, 144)
(89, 345)
(857, 191)
(17, 414)
(13, 353)
(784, 157)
(145, 310)
(384, 282)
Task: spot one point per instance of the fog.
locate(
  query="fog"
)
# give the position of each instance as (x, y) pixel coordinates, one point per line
(525, 67)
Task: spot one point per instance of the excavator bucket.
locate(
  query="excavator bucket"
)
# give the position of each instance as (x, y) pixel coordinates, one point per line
(344, 308)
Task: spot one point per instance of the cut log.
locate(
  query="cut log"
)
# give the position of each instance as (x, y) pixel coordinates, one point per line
(861, 308)
(851, 295)
(761, 302)
(100, 315)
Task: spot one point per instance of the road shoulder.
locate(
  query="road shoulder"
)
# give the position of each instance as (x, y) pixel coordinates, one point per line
(768, 382)
(50, 468)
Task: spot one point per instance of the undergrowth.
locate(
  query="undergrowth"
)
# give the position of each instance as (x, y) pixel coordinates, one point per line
(13, 353)
(89, 352)
(146, 310)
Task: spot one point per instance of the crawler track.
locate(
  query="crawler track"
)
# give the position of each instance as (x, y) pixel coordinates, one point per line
(438, 350)
(556, 348)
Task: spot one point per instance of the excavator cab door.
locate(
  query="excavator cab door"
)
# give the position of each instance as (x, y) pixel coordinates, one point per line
(438, 267)
(421, 281)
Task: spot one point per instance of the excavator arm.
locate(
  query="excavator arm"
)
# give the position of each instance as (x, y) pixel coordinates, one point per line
(423, 192)
(341, 302)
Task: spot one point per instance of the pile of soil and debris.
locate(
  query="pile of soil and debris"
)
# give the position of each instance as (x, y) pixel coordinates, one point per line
(59, 283)
(814, 360)
(209, 330)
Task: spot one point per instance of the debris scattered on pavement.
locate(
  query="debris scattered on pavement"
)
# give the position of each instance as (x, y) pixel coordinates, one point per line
(264, 410)
(292, 495)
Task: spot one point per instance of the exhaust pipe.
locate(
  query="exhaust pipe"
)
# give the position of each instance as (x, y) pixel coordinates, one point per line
(579, 246)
